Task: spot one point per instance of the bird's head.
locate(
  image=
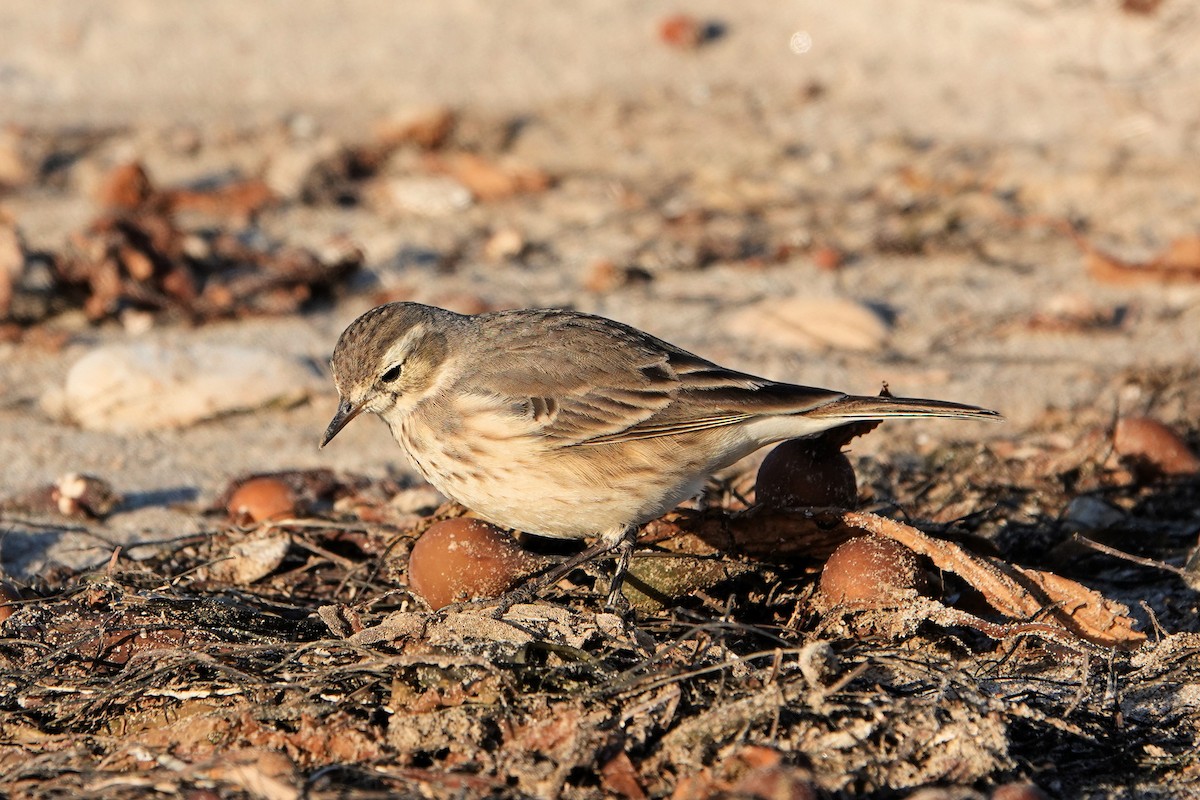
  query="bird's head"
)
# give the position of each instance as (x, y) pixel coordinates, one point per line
(388, 360)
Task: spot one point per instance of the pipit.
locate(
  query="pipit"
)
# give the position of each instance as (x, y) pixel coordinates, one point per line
(569, 425)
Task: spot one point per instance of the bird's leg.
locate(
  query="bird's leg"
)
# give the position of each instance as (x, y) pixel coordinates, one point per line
(624, 548)
(539, 583)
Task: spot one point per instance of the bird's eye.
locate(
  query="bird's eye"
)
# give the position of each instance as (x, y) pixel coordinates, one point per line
(391, 375)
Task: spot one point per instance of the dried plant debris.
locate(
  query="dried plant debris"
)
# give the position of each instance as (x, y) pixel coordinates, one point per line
(72, 495)
(287, 649)
(1179, 262)
(448, 173)
(136, 257)
(178, 680)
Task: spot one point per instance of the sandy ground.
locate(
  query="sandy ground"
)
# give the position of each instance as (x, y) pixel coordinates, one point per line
(801, 108)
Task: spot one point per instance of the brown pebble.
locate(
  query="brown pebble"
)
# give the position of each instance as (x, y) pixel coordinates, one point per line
(427, 128)
(8, 595)
(261, 499)
(870, 569)
(462, 302)
(603, 276)
(827, 258)
(1149, 443)
(681, 30)
(466, 559)
(125, 187)
(780, 781)
(1018, 791)
(803, 473)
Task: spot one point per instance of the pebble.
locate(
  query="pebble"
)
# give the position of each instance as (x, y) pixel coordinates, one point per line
(436, 196)
(1087, 514)
(425, 126)
(1149, 442)
(504, 244)
(813, 323)
(805, 473)
(291, 165)
(260, 499)
(870, 569)
(466, 559)
(147, 386)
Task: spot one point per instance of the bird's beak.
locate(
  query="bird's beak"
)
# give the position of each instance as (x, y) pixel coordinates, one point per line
(346, 412)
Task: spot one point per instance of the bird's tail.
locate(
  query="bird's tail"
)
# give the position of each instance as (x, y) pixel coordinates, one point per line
(852, 407)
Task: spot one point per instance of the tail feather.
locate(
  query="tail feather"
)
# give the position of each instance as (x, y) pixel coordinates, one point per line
(852, 407)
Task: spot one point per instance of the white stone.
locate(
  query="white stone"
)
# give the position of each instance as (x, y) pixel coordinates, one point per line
(813, 323)
(433, 196)
(290, 166)
(147, 386)
(1087, 513)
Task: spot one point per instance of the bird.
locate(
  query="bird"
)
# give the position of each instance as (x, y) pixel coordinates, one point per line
(569, 425)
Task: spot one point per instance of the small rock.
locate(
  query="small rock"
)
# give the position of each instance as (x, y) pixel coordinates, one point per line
(504, 244)
(1018, 791)
(1086, 514)
(289, 168)
(260, 499)
(779, 781)
(436, 196)
(9, 594)
(425, 127)
(870, 570)
(147, 386)
(251, 560)
(684, 32)
(813, 323)
(1150, 444)
(417, 500)
(805, 473)
(465, 559)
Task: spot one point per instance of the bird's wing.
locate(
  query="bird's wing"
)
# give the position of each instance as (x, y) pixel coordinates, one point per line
(709, 396)
(586, 380)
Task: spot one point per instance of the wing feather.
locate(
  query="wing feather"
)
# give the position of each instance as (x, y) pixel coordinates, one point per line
(580, 380)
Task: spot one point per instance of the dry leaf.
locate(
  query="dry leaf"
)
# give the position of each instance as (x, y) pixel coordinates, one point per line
(427, 128)
(619, 778)
(252, 559)
(1018, 593)
(240, 200)
(1179, 263)
(263, 774)
(126, 187)
(1100, 620)
(488, 180)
